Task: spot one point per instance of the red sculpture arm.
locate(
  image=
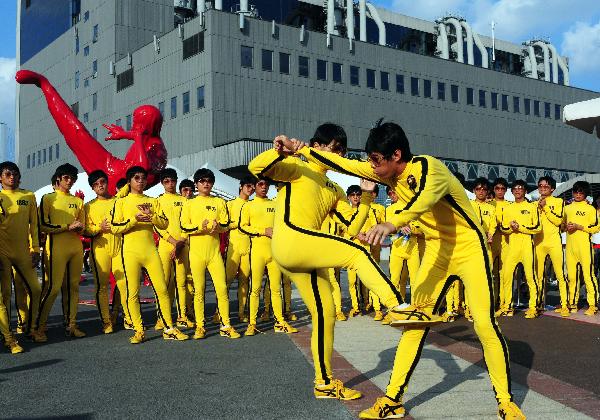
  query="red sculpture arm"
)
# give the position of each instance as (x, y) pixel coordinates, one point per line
(147, 150)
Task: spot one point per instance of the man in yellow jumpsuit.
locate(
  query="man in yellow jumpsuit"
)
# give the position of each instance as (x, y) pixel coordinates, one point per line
(20, 242)
(186, 190)
(332, 227)
(62, 218)
(456, 247)
(134, 217)
(521, 221)
(582, 222)
(104, 245)
(500, 240)
(172, 246)
(376, 216)
(548, 243)
(237, 261)
(202, 219)
(256, 221)
(307, 197)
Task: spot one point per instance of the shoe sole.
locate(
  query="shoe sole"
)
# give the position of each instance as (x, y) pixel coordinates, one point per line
(168, 337)
(285, 332)
(392, 416)
(326, 397)
(414, 323)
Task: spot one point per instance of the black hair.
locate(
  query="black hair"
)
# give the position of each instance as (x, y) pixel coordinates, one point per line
(121, 183)
(388, 189)
(500, 181)
(386, 139)
(247, 179)
(376, 189)
(66, 169)
(168, 173)
(96, 175)
(481, 181)
(186, 183)
(135, 170)
(582, 186)
(326, 133)
(203, 173)
(11, 166)
(551, 181)
(460, 177)
(54, 179)
(519, 182)
(353, 189)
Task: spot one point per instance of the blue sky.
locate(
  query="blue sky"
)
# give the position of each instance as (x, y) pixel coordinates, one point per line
(572, 26)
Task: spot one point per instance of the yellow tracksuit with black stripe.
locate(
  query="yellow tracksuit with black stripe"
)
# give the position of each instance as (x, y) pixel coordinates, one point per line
(580, 253)
(205, 251)
(4, 317)
(105, 246)
(499, 247)
(138, 253)
(377, 215)
(19, 238)
(520, 251)
(256, 216)
(63, 253)
(302, 205)
(332, 227)
(548, 244)
(175, 270)
(456, 247)
(356, 289)
(237, 261)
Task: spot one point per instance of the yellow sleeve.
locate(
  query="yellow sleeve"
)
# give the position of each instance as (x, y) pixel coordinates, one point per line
(45, 224)
(594, 226)
(245, 222)
(340, 164)
(536, 226)
(185, 220)
(433, 185)
(415, 228)
(91, 228)
(118, 224)
(234, 218)
(274, 166)
(492, 226)
(159, 220)
(223, 219)
(555, 218)
(353, 220)
(34, 235)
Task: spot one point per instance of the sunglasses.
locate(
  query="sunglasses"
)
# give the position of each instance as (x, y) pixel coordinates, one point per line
(205, 181)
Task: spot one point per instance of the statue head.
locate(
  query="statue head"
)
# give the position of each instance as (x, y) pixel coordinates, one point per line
(148, 119)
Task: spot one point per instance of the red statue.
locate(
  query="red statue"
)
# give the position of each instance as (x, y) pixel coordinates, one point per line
(147, 150)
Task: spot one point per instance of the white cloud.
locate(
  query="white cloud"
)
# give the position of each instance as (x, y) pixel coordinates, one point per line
(582, 45)
(7, 91)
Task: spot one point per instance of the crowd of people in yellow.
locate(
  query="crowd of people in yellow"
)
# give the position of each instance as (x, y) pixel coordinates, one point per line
(458, 256)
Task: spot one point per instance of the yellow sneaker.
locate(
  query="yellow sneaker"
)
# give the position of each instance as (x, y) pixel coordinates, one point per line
(229, 332)
(107, 328)
(290, 316)
(378, 316)
(509, 312)
(354, 312)
(199, 333)
(336, 389)
(368, 308)
(499, 313)
(13, 345)
(406, 315)
(138, 337)
(128, 325)
(264, 317)
(531, 313)
(284, 327)
(21, 329)
(387, 320)
(159, 326)
(244, 319)
(384, 408)
(340, 316)
(185, 323)
(73, 331)
(38, 336)
(591, 311)
(574, 309)
(251, 330)
(508, 410)
(565, 312)
(174, 334)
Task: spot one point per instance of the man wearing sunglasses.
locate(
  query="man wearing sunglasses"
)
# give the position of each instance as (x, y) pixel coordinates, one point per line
(500, 240)
(456, 247)
(62, 218)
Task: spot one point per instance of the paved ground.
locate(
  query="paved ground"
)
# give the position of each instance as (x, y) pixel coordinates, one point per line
(554, 364)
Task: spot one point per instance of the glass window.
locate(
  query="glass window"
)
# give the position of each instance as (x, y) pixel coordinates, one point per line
(77, 79)
(536, 108)
(427, 88)
(470, 96)
(441, 91)
(57, 150)
(284, 63)
(454, 93)
(246, 56)
(94, 101)
(371, 78)
(86, 15)
(128, 122)
(527, 106)
(321, 69)
(76, 45)
(494, 100)
(267, 60)
(336, 72)
(28, 161)
(186, 102)
(33, 160)
(85, 117)
(556, 111)
(516, 104)
(504, 102)
(86, 82)
(95, 67)
(39, 157)
(414, 86)
(44, 155)
(86, 50)
(385, 81)
(547, 110)
(174, 107)
(303, 66)
(200, 97)
(95, 33)
(354, 76)
(161, 109)
(50, 153)
(399, 83)
(95, 133)
(482, 103)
